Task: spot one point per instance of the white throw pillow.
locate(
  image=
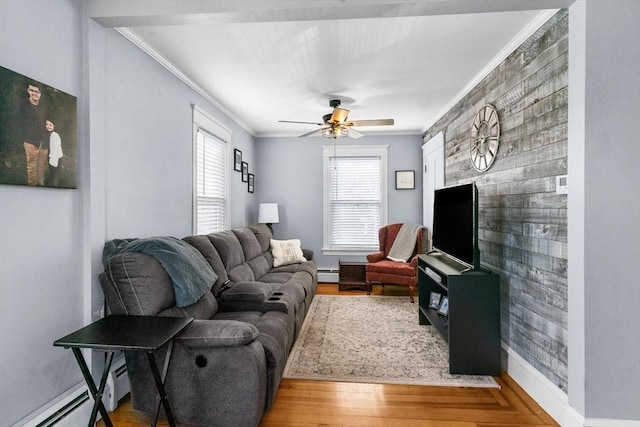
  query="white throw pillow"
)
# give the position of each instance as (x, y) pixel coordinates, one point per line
(286, 252)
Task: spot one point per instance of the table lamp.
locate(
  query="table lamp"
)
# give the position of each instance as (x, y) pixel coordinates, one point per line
(268, 214)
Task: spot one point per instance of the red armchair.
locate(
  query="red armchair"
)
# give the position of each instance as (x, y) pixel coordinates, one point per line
(380, 269)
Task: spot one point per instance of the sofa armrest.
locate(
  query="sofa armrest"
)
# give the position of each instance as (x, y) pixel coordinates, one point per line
(375, 257)
(245, 291)
(218, 333)
(308, 254)
(252, 296)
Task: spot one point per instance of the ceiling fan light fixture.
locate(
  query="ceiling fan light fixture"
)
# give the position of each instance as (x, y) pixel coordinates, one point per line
(335, 124)
(335, 132)
(328, 133)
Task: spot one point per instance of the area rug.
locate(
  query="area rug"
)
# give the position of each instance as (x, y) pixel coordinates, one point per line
(372, 339)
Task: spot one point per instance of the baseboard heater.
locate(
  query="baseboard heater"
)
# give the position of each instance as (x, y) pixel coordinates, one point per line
(74, 407)
(117, 383)
(328, 275)
(69, 410)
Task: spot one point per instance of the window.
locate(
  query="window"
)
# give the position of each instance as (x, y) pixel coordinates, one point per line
(355, 198)
(210, 175)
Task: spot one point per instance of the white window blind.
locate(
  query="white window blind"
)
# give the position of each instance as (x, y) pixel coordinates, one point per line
(211, 198)
(355, 201)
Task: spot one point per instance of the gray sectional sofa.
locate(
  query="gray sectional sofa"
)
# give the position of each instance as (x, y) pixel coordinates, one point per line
(227, 364)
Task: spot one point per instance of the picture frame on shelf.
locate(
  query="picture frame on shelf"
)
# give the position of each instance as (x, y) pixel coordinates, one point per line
(434, 300)
(237, 160)
(444, 306)
(405, 180)
(250, 182)
(245, 171)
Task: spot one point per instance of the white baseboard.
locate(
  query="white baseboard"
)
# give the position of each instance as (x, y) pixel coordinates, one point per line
(606, 422)
(549, 396)
(327, 276)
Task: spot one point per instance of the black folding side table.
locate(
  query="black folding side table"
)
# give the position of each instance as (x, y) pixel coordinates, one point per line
(130, 333)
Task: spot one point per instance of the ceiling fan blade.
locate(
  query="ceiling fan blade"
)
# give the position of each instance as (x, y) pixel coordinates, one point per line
(313, 132)
(339, 115)
(304, 123)
(354, 133)
(376, 122)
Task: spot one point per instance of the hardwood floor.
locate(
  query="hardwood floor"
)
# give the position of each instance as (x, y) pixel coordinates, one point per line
(320, 403)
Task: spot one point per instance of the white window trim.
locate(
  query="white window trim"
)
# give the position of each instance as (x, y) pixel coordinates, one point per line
(328, 151)
(203, 120)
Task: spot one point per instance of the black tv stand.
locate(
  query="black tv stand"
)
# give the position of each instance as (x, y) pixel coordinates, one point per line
(479, 270)
(472, 326)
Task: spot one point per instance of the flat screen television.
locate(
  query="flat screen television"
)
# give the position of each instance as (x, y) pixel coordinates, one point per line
(455, 223)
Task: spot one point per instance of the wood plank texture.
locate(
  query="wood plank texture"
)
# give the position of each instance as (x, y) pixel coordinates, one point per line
(304, 403)
(522, 221)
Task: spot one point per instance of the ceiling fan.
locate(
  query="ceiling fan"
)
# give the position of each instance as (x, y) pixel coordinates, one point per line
(336, 125)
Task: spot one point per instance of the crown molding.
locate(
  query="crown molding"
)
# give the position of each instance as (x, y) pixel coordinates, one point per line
(520, 38)
(164, 62)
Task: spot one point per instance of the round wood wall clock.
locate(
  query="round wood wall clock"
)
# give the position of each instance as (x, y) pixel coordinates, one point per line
(485, 137)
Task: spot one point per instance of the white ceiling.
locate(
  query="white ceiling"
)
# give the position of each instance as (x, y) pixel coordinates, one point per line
(262, 61)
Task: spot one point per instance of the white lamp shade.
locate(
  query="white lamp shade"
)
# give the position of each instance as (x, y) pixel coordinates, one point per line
(268, 213)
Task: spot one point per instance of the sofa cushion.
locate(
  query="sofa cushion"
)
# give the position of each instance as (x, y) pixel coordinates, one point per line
(263, 235)
(191, 274)
(254, 252)
(204, 244)
(204, 309)
(241, 273)
(249, 242)
(140, 285)
(308, 266)
(286, 252)
(260, 265)
(229, 248)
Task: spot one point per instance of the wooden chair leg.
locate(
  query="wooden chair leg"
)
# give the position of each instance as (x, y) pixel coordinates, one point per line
(411, 290)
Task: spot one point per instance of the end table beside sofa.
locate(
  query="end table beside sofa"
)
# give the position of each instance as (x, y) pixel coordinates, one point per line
(130, 333)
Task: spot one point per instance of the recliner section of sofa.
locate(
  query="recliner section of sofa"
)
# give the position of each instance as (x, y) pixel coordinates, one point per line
(227, 365)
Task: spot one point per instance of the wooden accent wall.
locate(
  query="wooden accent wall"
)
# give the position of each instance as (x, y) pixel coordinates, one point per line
(523, 222)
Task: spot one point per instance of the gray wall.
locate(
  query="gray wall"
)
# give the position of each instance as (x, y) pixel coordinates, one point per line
(523, 223)
(41, 229)
(146, 130)
(605, 209)
(290, 173)
(570, 296)
(135, 148)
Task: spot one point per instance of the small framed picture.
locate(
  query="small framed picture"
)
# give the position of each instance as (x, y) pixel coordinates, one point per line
(444, 306)
(245, 171)
(434, 300)
(405, 180)
(250, 179)
(237, 160)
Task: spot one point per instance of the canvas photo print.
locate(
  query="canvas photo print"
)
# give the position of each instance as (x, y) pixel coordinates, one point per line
(38, 133)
